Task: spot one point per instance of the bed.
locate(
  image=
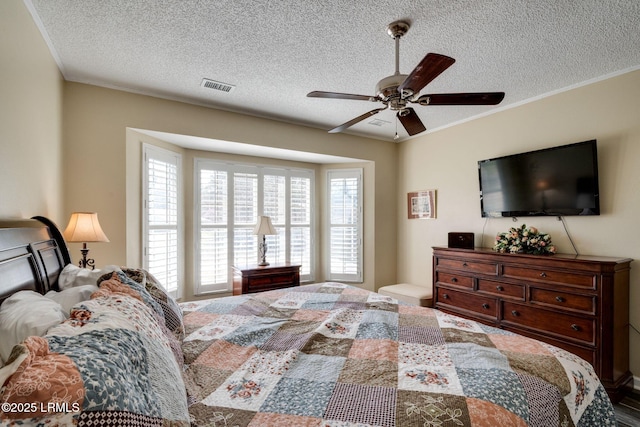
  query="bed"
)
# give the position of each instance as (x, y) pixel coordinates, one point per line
(326, 354)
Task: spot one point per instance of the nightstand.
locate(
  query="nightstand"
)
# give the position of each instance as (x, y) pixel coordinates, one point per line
(255, 278)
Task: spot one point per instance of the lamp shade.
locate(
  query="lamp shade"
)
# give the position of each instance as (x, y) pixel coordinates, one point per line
(264, 226)
(84, 227)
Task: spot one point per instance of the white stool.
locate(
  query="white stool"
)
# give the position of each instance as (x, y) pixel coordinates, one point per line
(411, 294)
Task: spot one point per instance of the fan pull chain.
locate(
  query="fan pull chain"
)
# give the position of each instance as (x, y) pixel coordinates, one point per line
(395, 138)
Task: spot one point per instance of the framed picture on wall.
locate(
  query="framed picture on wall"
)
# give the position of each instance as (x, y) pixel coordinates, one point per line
(421, 204)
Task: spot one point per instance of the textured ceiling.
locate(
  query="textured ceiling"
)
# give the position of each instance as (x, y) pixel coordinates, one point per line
(275, 52)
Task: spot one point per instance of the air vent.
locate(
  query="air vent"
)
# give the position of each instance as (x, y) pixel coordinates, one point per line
(378, 122)
(212, 84)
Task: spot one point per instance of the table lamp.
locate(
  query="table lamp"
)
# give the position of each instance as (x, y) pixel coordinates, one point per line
(84, 227)
(263, 228)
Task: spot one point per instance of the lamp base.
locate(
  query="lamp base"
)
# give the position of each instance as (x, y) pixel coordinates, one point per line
(84, 261)
(262, 252)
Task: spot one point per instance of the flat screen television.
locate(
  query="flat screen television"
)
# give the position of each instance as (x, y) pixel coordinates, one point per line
(558, 181)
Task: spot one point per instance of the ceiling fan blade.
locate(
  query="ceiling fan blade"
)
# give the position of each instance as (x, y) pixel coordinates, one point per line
(338, 95)
(480, 98)
(411, 121)
(428, 69)
(356, 120)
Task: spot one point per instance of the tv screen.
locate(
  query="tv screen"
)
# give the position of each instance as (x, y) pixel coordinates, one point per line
(556, 181)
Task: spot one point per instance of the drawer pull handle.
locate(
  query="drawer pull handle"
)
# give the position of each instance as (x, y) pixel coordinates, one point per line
(500, 288)
(575, 327)
(464, 264)
(515, 313)
(486, 306)
(560, 299)
(543, 274)
(445, 296)
(454, 280)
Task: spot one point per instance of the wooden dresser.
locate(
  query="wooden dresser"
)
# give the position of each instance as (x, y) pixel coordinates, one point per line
(578, 303)
(255, 278)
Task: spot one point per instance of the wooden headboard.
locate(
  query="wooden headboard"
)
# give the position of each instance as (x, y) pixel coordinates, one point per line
(32, 255)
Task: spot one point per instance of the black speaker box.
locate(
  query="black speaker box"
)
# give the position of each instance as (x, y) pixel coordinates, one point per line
(461, 240)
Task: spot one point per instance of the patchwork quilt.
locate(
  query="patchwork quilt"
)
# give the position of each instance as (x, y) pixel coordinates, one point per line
(115, 362)
(335, 355)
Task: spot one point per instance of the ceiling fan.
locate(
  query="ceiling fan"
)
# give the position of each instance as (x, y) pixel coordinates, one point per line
(397, 91)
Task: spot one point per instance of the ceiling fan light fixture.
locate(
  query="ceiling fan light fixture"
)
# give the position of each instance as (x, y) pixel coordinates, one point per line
(389, 86)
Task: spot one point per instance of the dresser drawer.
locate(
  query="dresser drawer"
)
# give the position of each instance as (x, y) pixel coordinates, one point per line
(584, 303)
(550, 276)
(453, 279)
(485, 306)
(559, 324)
(490, 268)
(503, 290)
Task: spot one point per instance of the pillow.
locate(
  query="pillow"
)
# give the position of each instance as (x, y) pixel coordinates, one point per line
(71, 296)
(72, 276)
(24, 314)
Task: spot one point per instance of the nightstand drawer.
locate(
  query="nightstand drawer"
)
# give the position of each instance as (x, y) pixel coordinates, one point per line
(485, 306)
(584, 303)
(262, 282)
(559, 324)
(264, 278)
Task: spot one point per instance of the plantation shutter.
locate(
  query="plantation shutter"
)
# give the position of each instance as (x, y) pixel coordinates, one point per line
(162, 217)
(213, 256)
(301, 244)
(275, 207)
(245, 214)
(345, 225)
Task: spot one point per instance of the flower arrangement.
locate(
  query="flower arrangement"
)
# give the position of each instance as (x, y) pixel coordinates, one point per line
(524, 240)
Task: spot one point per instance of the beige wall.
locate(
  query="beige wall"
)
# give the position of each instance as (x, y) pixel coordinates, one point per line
(608, 111)
(103, 156)
(30, 119)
